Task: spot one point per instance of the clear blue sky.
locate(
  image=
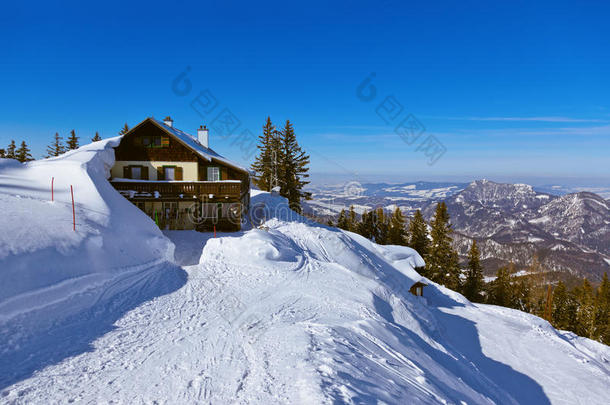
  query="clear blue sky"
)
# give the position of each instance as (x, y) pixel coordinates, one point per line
(513, 90)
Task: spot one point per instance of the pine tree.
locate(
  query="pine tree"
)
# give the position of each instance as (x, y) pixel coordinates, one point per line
(397, 234)
(585, 315)
(343, 222)
(500, 290)
(602, 311)
(2, 153)
(97, 137)
(263, 165)
(473, 286)
(10, 151)
(72, 141)
(381, 226)
(294, 169)
(561, 314)
(56, 148)
(351, 219)
(366, 227)
(443, 261)
(23, 153)
(418, 235)
(124, 130)
(521, 293)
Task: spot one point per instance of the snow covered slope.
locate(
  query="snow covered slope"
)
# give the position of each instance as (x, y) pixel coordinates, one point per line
(51, 275)
(297, 312)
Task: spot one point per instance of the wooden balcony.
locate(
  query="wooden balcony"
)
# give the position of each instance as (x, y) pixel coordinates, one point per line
(164, 190)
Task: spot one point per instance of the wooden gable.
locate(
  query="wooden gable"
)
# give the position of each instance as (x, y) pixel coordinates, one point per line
(148, 142)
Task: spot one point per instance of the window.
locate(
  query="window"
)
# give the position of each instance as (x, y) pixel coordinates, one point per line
(155, 141)
(213, 173)
(136, 172)
(169, 173)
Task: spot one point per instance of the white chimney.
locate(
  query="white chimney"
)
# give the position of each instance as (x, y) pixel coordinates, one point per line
(168, 121)
(203, 135)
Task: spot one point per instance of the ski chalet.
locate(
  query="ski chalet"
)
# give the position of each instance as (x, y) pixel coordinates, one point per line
(178, 180)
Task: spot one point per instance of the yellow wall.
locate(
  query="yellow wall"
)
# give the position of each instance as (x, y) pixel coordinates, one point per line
(189, 169)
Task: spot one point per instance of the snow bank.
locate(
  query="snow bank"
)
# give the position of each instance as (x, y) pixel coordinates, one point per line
(38, 248)
(48, 272)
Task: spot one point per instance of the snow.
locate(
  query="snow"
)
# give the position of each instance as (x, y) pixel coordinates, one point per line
(49, 272)
(540, 220)
(293, 312)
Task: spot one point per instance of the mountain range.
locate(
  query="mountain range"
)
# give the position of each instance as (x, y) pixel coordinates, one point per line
(568, 233)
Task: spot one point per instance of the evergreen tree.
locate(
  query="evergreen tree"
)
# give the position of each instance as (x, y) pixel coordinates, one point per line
(397, 234)
(380, 226)
(500, 290)
(264, 165)
(10, 151)
(521, 293)
(585, 315)
(418, 235)
(473, 286)
(443, 261)
(72, 141)
(343, 222)
(56, 148)
(124, 130)
(294, 169)
(351, 219)
(2, 153)
(563, 313)
(539, 295)
(602, 311)
(366, 227)
(23, 153)
(97, 137)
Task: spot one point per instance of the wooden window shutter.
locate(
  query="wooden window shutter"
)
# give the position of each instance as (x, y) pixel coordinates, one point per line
(160, 174)
(144, 173)
(165, 142)
(126, 172)
(178, 173)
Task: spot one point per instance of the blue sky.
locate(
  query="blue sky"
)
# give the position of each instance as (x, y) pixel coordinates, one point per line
(513, 91)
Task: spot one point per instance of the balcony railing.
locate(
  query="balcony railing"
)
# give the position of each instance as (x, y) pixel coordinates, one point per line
(186, 189)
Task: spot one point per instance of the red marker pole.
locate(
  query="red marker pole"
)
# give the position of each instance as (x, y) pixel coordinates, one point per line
(52, 179)
(73, 211)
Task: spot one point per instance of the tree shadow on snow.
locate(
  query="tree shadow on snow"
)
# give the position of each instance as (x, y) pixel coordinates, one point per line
(39, 339)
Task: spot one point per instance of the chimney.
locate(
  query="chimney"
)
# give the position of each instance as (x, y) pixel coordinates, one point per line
(168, 121)
(203, 135)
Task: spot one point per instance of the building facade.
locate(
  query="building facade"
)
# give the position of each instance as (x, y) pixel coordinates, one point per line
(178, 180)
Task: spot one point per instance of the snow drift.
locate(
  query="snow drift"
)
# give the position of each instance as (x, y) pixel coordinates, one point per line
(50, 273)
(289, 312)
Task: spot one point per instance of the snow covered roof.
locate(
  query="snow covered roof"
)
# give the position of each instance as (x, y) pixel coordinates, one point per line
(192, 143)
